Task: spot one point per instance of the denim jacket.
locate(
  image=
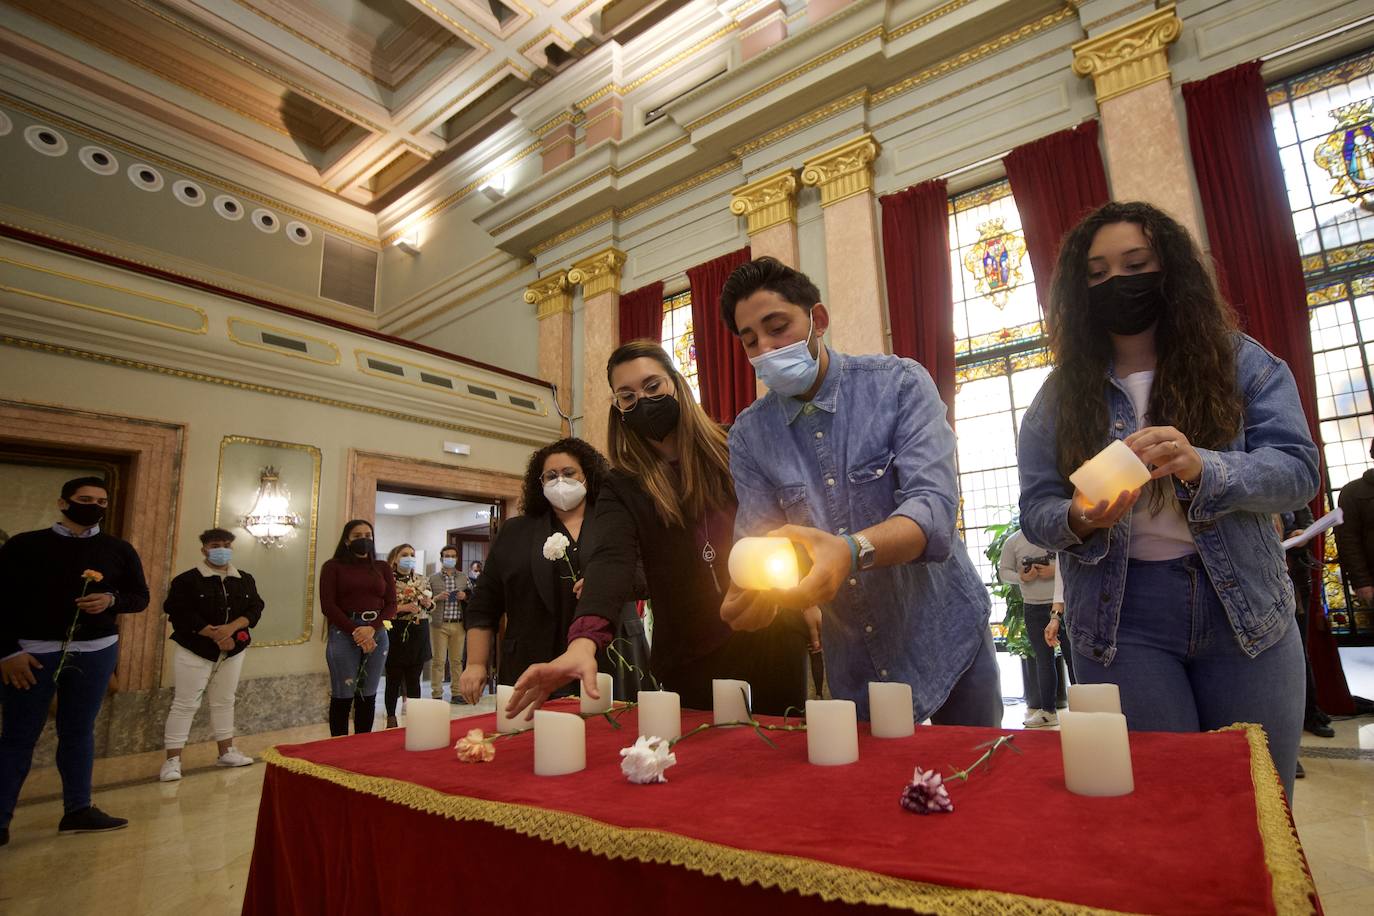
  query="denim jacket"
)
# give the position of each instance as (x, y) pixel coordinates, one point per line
(1270, 467)
(872, 443)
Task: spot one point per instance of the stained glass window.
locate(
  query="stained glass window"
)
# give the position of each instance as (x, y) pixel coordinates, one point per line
(678, 340)
(1322, 122)
(1000, 359)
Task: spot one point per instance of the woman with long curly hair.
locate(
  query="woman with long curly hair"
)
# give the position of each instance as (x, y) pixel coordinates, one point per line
(533, 573)
(1176, 592)
(669, 503)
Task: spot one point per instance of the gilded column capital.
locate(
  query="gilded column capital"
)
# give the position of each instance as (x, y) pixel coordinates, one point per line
(551, 294)
(598, 274)
(767, 202)
(1134, 55)
(843, 171)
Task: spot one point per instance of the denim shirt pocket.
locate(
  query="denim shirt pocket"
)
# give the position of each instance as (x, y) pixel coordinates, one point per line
(873, 486)
(792, 502)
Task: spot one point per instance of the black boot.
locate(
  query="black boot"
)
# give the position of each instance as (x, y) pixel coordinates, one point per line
(364, 714)
(338, 715)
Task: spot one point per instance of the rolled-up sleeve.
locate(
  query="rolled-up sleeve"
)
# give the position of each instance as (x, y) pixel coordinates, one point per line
(923, 455)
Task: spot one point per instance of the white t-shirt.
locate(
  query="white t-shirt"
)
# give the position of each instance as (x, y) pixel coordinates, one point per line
(1162, 536)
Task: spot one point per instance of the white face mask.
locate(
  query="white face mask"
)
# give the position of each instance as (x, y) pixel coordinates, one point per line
(565, 493)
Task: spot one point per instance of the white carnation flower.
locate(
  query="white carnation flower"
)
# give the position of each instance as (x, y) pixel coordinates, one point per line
(556, 547)
(646, 760)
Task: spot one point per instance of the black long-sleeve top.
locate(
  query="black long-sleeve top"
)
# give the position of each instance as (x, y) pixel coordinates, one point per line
(686, 595)
(40, 580)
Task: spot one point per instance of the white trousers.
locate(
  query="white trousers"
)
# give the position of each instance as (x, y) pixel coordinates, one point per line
(192, 681)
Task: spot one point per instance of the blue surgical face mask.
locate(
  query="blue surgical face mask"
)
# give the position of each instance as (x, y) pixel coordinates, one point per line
(450, 562)
(789, 370)
(406, 563)
(220, 556)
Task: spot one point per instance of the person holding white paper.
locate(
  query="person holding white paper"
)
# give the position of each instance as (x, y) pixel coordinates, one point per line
(1176, 592)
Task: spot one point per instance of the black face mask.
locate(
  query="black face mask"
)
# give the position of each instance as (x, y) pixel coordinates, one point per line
(360, 547)
(84, 514)
(1128, 303)
(654, 419)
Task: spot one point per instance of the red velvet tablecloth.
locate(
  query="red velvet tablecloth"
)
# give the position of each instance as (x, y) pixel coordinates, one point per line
(359, 825)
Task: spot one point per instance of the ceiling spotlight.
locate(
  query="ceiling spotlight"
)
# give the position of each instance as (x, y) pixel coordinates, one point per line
(391, 505)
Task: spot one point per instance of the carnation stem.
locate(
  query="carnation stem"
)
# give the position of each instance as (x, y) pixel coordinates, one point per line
(992, 748)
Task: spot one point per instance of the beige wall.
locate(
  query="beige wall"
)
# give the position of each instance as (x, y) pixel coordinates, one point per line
(210, 412)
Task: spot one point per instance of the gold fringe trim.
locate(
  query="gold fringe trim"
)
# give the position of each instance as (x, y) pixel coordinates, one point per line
(786, 873)
(1294, 889)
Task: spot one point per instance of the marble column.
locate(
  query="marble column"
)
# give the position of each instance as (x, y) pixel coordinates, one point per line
(1146, 151)
(769, 205)
(599, 276)
(844, 175)
(552, 296)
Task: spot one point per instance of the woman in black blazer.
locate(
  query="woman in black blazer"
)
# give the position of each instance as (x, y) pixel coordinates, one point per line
(533, 573)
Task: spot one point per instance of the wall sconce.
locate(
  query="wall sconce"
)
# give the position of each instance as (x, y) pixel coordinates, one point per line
(409, 241)
(271, 520)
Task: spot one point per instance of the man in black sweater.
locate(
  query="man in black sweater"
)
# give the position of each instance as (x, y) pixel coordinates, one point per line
(61, 591)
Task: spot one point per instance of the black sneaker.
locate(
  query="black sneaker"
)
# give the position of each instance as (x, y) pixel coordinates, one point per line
(457, 700)
(1301, 773)
(4, 835)
(90, 820)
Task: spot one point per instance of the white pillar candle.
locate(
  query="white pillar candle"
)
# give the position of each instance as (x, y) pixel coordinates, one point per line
(426, 725)
(560, 743)
(889, 710)
(764, 563)
(1094, 698)
(504, 723)
(660, 714)
(832, 732)
(1097, 753)
(1111, 471)
(728, 700)
(604, 686)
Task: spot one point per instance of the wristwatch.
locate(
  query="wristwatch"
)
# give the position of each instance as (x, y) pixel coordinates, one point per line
(867, 555)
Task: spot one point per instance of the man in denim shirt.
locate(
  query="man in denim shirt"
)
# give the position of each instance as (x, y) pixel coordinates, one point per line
(852, 457)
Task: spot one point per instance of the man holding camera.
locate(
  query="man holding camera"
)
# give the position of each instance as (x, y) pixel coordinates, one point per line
(1031, 569)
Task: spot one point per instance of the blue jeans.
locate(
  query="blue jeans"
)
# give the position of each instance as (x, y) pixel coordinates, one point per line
(1046, 686)
(1180, 666)
(345, 658)
(976, 698)
(79, 695)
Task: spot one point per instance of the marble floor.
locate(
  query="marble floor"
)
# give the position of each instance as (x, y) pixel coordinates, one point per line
(188, 845)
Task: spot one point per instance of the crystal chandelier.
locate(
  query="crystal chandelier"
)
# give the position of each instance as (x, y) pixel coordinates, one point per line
(271, 520)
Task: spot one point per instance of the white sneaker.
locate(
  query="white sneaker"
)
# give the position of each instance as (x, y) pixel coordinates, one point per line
(1041, 719)
(1032, 715)
(171, 770)
(233, 758)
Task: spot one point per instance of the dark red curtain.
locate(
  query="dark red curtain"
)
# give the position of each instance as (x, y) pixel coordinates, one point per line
(1056, 180)
(1250, 228)
(641, 314)
(920, 300)
(724, 375)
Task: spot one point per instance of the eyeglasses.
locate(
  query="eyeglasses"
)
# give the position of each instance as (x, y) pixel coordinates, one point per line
(551, 475)
(655, 388)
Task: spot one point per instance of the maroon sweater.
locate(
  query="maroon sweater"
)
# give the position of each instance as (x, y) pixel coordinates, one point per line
(350, 588)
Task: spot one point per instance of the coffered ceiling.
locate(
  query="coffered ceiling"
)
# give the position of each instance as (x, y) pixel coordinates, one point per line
(359, 98)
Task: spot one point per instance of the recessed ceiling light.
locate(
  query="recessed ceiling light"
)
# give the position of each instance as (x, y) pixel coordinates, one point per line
(391, 505)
